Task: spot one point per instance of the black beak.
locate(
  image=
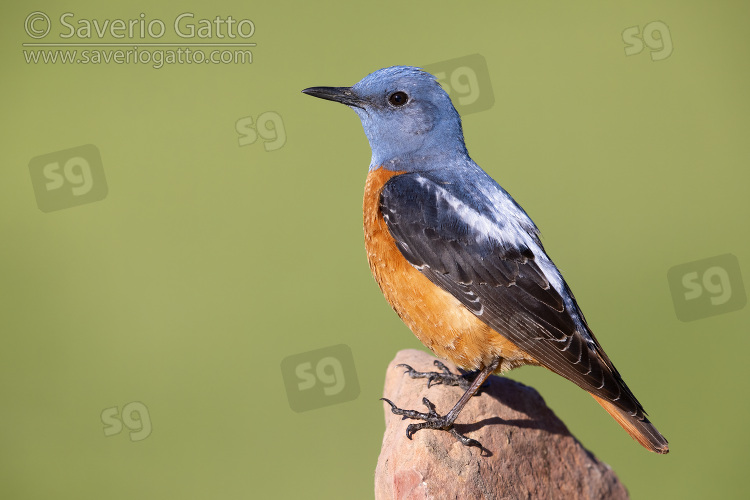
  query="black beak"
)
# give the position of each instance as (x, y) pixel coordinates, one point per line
(344, 95)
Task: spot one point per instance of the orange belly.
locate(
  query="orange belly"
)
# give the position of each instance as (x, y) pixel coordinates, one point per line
(435, 316)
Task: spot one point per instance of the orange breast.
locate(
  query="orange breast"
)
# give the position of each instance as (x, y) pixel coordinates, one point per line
(435, 316)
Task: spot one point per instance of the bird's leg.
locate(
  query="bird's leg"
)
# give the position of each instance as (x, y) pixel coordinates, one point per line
(432, 420)
(444, 376)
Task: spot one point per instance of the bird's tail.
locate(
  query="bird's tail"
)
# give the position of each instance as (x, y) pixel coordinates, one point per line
(640, 429)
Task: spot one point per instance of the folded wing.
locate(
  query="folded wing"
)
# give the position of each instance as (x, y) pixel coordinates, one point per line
(500, 272)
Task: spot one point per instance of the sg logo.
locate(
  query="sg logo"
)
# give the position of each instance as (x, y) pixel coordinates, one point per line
(68, 178)
(467, 82)
(140, 426)
(707, 287)
(320, 378)
(269, 126)
(661, 46)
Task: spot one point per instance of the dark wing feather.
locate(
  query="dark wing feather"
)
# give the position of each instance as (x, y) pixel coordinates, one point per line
(502, 283)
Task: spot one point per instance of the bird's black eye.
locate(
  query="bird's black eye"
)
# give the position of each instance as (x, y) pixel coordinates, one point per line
(398, 98)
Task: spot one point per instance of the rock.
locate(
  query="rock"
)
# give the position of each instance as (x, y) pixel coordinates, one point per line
(528, 452)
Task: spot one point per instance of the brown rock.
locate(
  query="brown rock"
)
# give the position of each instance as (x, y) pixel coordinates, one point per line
(528, 452)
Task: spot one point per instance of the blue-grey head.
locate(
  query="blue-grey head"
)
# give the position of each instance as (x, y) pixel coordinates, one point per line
(408, 118)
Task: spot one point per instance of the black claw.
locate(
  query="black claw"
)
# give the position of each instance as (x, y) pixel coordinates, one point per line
(444, 368)
(389, 402)
(409, 431)
(465, 440)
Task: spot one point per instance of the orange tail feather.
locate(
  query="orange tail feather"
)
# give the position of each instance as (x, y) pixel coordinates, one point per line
(642, 431)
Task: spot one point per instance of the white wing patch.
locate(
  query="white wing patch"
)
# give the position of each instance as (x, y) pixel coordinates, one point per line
(485, 228)
(508, 226)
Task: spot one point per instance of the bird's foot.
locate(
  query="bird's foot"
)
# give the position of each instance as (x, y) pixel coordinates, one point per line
(444, 376)
(431, 421)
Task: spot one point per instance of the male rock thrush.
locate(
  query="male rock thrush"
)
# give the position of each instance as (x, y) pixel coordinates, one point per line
(460, 261)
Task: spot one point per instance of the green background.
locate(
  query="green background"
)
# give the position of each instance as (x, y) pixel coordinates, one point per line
(208, 262)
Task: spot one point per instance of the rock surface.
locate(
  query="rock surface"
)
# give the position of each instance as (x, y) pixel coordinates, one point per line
(528, 452)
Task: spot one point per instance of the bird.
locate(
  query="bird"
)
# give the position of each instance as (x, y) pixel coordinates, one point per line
(461, 263)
